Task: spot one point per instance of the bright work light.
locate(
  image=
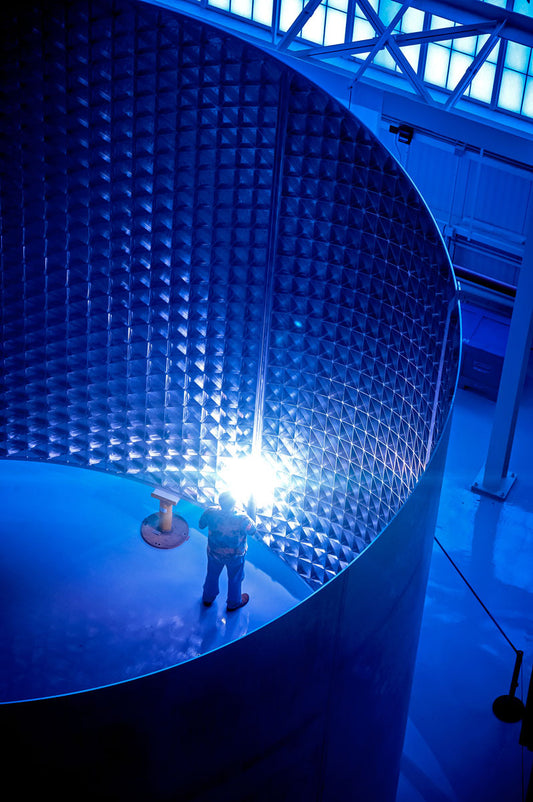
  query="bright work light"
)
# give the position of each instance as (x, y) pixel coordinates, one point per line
(251, 481)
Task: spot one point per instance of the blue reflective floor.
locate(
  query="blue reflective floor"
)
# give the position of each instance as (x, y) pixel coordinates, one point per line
(455, 749)
(86, 602)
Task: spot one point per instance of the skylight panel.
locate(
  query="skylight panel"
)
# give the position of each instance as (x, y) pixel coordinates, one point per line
(515, 88)
(482, 83)
(335, 29)
(468, 44)
(362, 29)
(438, 55)
(437, 64)
(263, 12)
(384, 59)
(523, 7)
(459, 63)
(481, 86)
(527, 106)
(242, 7)
(326, 26)
(440, 22)
(412, 54)
(461, 53)
(517, 57)
(288, 13)
(512, 90)
(256, 10)
(387, 10)
(412, 20)
(313, 30)
(446, 62)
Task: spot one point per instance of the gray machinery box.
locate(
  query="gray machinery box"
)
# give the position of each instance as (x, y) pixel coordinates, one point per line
(485, 335)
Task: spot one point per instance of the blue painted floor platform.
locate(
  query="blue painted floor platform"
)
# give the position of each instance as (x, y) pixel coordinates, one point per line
(455, 748)
(85, 602)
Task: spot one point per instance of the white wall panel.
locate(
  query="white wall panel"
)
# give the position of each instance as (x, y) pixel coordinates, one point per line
(480, 201)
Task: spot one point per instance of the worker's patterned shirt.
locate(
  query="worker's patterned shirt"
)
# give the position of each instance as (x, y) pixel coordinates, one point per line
(227, 531)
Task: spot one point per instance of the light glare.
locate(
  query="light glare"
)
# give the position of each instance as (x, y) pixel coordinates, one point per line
(250, 479)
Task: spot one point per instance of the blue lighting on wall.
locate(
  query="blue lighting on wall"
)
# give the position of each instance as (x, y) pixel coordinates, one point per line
(204, 255)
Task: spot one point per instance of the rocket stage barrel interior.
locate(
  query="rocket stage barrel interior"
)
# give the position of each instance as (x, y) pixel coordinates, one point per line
(205, 256)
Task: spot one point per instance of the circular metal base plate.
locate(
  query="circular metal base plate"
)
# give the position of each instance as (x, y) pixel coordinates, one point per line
(165, 540)
(508, 708)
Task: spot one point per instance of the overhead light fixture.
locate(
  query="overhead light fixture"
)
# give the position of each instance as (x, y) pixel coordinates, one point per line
(404, 133)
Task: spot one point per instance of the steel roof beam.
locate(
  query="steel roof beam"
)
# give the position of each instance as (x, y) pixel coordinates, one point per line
(395, 52)
(381, 41)
(471, 71)
(518, 27)
(403, 39)
(305, 14)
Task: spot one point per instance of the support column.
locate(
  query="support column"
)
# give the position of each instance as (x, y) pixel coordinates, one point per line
(495, 480)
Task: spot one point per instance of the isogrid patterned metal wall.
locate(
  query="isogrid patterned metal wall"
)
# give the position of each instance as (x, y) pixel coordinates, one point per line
(363, 358)
(199, 248)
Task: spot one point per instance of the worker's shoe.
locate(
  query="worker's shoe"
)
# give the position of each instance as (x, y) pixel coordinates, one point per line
(207, 603)
(244, 600)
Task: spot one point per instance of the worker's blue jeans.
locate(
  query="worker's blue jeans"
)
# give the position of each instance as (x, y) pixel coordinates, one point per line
(235, 568)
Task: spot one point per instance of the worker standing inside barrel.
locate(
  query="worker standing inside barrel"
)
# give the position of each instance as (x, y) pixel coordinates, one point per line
(228, 529)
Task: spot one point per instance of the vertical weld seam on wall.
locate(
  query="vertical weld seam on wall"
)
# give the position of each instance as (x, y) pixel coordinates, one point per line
(451, 306)
(277, 180)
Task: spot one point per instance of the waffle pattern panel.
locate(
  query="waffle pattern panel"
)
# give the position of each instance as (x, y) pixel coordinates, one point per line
(200, 249)
(136, 172)
(365, 337)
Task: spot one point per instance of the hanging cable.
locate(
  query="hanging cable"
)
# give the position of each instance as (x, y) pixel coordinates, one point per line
(467, 583)
(506, 708)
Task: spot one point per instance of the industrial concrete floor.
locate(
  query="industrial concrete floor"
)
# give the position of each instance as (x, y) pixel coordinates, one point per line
(455, 748)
